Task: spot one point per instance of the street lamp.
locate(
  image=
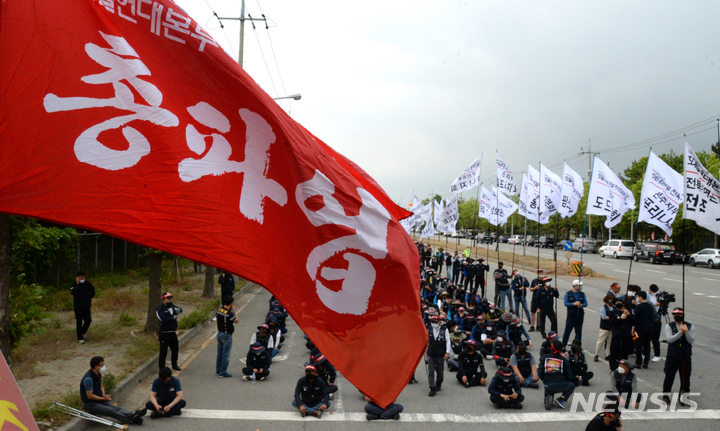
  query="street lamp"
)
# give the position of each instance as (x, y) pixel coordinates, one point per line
(292, 96)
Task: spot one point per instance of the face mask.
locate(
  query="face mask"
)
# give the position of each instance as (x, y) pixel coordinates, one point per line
(621, 370)
(631, 294)
(470, 350)
(82, 281)
(579, 288)
(488, 328)
(500, 339)
(678, 319)
(103, 369)
(505, 379)
(574, 350)
(547, 284)
(435, 325)
(310, 375)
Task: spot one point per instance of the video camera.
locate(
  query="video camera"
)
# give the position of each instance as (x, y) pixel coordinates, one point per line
(664, 299)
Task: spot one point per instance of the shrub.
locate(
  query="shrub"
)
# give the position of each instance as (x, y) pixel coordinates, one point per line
(126, 319)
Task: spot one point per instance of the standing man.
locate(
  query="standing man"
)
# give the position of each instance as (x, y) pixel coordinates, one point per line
(680, 337)
(520, 287)
(95, 402)
(166, 397)
(168, 313)
(605, 335)
(614, 290)
(456, 263)
(622, 343)
(657, 324)
(535, 287)
(575, 301)
(438, 351)
(480, 271)
(644, 320)
(226, 320)
(502, 286)
(82, 291)
(546, 302)
(227, 284)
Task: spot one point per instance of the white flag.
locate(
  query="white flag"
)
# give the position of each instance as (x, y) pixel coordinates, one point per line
(662, 194)
(505, 180)
(572, 191)
(522, 207)
(550, 193)
(428, 231)
(437, 207)
(702, 193)
(533, 194)
(486, 206)
(425, 212)
(608, 196)
(416, 204)
(469, 178)
(449, 216)
(504, 207)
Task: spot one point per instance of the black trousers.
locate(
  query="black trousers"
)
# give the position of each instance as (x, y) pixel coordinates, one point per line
(677, 364)
(550, 313)
(82, 321)
(642, 346)
(657, 327)
(168, 339)
(173, 410)
(249, 371)
(387, 413)
(473, 380)
(509, 403)
(620, 348)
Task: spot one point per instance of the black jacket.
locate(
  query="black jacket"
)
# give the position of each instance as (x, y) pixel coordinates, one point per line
(82, 294)
(168, 317)
(311, 393)
(546, 298)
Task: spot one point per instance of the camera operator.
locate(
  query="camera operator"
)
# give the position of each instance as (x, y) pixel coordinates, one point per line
(657, 324)
(680, 337)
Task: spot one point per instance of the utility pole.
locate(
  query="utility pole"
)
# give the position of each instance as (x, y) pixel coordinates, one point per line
(590, 157)
(242, 20)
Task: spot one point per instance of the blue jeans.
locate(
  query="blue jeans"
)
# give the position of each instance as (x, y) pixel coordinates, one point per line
(503, 294)
(567, 389)
(310, 409)
(528, 380)
(223, 352)
(518, 300)
(274, 353)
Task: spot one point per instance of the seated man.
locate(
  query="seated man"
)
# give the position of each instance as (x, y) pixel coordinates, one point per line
(502, 350)
(325, 371)
(556, 373)
(310, 394)
(165, 396)
(515, 331)
(505, 390)
(92, 394)
(374, 411)
(471, 370)
(581, 375)
(258, 363)
(524, 366)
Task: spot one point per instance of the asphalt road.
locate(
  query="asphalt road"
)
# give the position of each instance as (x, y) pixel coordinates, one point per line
(215, 403)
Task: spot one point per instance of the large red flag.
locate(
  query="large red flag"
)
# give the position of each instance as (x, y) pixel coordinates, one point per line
(125, 117)
(14, 411)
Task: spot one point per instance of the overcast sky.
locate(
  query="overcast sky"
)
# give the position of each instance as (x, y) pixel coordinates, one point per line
(414, 91)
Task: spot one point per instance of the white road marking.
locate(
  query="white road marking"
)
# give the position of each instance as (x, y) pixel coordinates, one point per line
(711, 279)
(670, 279)
(603, 263)
(698, 294)
(659, 272)
(713, 296)
(560, 416)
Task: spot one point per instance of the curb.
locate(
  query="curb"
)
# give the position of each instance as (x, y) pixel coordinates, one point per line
(148, 368)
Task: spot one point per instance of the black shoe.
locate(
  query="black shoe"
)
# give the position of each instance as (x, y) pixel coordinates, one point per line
(371, 417)
(597, 359)
(176, 368)
(432, 392)
(140, 412)
(533, 385)
(137, 420)
(438, 387)
(466, 384)
(532, 329)
(645, 366)
(396, 416)
(666, 400)
(607, 358)
(179, 413)
(155, 415)
(517, 406)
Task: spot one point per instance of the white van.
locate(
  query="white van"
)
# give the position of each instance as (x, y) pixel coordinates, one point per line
(617, 248)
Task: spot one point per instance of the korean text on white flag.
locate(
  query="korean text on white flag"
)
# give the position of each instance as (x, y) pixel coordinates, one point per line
(428, 231)
(504, 207)
(662, 194)
(469, 178)
(702, 193)
(505, 180)
(449, 216)
(572, 192)
(486, 205)
(522, 206)
(437, 209)
(608, 196)
(533, 197)
(550, 193)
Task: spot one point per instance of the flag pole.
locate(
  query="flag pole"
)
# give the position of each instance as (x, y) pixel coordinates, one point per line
(474, 241)
(582, 247)
(683, 219)
(538, 222)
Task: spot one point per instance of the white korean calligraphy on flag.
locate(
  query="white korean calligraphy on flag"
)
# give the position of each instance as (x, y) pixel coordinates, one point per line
(416, 204)
(533, 194)
(428, 231)
(550, 193)
(505, 180)
(437, 209)
(572, 191)
(449, 216)
(662, 194)
(504, 207)
(608, 196)
(522, 205)
(485, 205)
(702, 193)
(469, 178)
